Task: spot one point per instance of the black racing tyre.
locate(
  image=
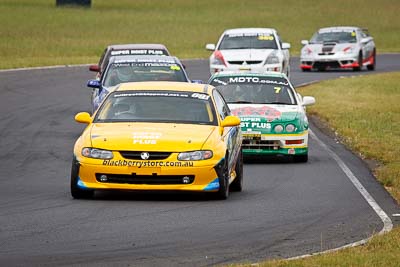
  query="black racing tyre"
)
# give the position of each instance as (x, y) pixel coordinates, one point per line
(301, 158)
(373, 65)
(288, 72)
(77, 192)
(360, 62)
(306, 70)
(237, 184)
(223, 191)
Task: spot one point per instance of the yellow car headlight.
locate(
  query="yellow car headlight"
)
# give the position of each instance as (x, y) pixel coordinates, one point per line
(95, 153)
(195, 155)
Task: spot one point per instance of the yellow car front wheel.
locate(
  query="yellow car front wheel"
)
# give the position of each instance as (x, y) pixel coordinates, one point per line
(77, 191)
(223, 179)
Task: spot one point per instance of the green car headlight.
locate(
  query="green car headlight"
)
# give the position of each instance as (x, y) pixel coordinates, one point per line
(95, 153)
(195, 155)
(290, 128)
(278, 128)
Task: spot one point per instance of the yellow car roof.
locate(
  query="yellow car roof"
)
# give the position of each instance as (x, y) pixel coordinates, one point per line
(165, 86)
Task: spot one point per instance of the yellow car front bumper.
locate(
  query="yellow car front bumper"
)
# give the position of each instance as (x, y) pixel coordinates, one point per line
(149, 175)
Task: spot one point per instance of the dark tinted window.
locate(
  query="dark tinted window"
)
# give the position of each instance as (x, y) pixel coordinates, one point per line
(143, 71)
(221, 106)
(334, 37)
(245, 41)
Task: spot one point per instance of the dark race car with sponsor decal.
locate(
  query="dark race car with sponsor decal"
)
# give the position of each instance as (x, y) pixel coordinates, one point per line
(272, 113)
(123, 69)
(128, 50)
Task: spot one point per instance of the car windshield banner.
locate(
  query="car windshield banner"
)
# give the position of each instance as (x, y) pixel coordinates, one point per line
(147, 63)
(249, 80)
(157, 52)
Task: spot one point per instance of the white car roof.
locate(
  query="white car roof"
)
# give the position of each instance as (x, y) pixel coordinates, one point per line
(250, 30)
(341, 28)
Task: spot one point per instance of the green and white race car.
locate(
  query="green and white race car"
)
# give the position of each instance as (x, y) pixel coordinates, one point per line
(272, 113)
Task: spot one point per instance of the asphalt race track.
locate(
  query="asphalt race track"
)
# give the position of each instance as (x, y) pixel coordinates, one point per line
(286, 209)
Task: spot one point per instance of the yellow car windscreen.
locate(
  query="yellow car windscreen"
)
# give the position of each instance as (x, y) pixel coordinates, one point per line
(157, 106)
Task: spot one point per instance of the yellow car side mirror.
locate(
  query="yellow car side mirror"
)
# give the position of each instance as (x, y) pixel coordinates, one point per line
(83, 117)
(230, 121)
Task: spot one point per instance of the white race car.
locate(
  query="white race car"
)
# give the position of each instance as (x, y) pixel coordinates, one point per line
(338, 48)
(250, 49)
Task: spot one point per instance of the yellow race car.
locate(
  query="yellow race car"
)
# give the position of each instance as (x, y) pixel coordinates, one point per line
(159, 136)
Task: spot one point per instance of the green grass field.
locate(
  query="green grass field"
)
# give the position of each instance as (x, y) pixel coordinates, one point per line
(36, 32)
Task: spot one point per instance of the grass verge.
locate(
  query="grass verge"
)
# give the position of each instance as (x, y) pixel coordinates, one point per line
(381, 251)
(363, 112)
(37, 33)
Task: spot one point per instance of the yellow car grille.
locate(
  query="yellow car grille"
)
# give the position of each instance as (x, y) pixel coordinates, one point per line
(152, 155)
(144, 179)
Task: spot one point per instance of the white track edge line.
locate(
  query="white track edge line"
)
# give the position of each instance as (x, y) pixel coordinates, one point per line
(70, 66)
(387, 222)
(44, 67)
(308, 83)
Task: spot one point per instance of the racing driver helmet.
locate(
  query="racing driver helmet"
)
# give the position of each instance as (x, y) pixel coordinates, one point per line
(125, 74)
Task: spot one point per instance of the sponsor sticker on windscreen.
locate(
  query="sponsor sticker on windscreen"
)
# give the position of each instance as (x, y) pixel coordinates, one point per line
(265, 37)
(165, 94)
(251, 34)
(143, 60)
(252, 80)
